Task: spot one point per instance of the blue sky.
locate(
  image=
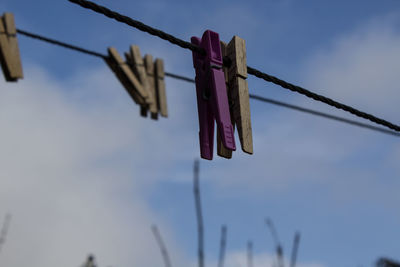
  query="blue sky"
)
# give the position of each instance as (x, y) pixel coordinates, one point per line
(83, 172)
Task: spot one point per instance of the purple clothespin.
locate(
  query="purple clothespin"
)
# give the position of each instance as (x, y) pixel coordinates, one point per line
(212, 98)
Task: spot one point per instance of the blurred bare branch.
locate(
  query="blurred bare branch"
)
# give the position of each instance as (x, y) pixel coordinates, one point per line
(89, 262)
(163, 248)
(222, 247)
(295, 249)
(249, 254)
(4, 230)
(279, 250)
(200, 229)
(385, 262)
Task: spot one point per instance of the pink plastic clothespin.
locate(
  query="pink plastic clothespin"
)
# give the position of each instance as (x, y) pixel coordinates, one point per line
(212, 99)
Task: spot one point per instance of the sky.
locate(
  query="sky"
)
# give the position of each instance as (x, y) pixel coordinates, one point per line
(81, 171)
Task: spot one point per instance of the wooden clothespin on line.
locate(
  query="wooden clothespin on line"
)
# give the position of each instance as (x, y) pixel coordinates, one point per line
(126, 77)
(10, 59)
(160, 87)
(136, 63)
(149, 64)
(238, 95)
(142, 78)
(155, 74)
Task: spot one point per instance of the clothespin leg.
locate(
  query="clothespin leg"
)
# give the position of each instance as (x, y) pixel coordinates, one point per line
(160, 87)
(149, 64)
(206, 123)
(206, 120)
(241, 113)
(223, 118)
(143, 111)
(221, 150)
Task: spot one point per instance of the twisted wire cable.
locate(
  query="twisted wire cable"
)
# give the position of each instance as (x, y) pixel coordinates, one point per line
(259, 74)
(186, 79)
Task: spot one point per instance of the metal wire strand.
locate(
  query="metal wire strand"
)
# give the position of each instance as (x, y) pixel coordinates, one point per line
(269, 78)
(324, 115)
(321, 98)
(55, 42)
(179, 77)
(138, 25)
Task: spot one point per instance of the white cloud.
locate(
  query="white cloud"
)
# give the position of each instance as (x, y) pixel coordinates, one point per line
(75, 169)
(239, 259)
(362, 68)
(69, 176)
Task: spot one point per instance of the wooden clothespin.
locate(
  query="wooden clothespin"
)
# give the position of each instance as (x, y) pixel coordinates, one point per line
(238, 95)
(149, 64)
(9, 52)
(126, 76)
(142, 78)
(135, 61)
(158, 102)
(160, 87)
